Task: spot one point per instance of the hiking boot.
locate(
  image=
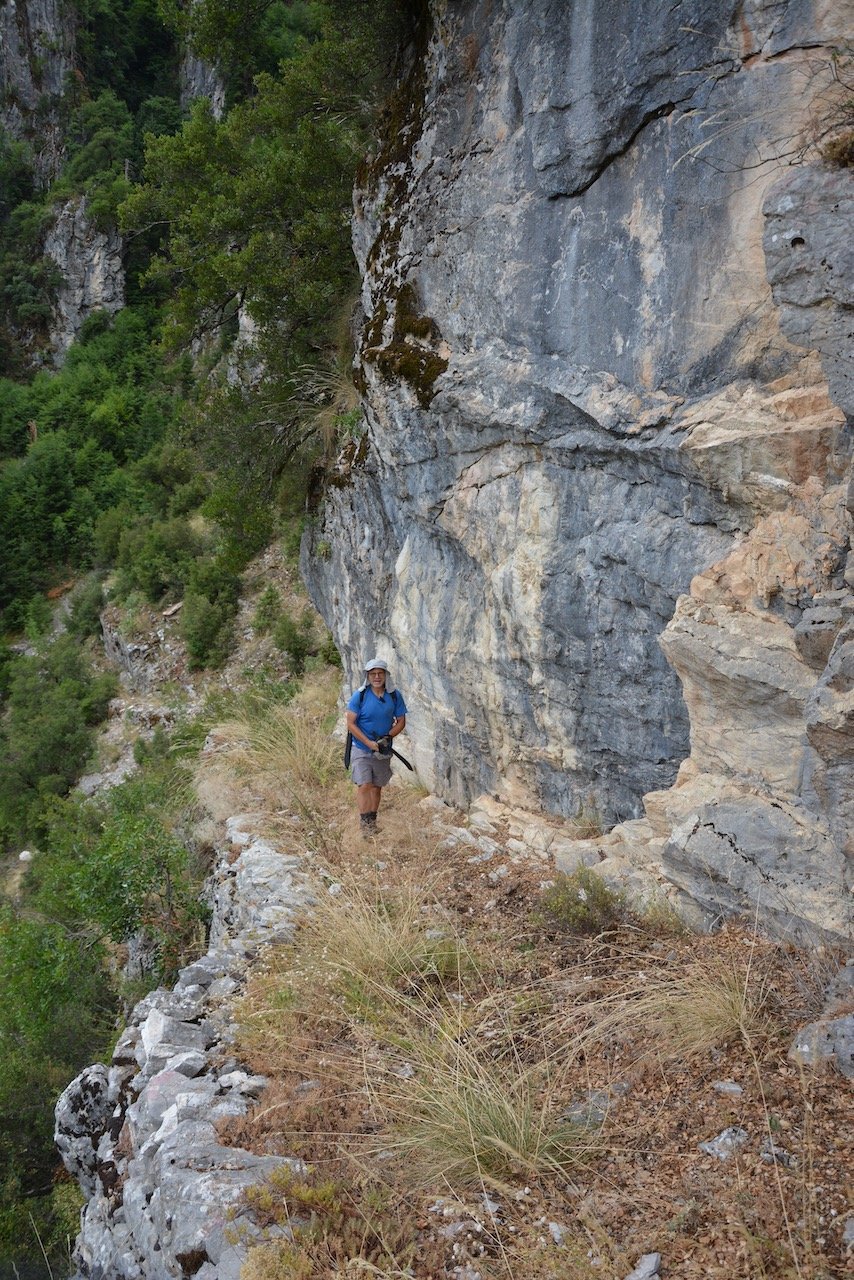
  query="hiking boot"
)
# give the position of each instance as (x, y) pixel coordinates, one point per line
(368, 823)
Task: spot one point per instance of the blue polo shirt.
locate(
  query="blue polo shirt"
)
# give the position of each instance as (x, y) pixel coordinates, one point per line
(376, 715)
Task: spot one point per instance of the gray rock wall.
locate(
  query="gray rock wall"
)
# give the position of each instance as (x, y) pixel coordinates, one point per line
(37, 55)
(89, 259)
(596, 357)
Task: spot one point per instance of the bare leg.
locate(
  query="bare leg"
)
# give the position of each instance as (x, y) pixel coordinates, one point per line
(365, 797)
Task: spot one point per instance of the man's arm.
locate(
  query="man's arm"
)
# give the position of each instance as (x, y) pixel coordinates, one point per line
(353, 728)
(398, 726)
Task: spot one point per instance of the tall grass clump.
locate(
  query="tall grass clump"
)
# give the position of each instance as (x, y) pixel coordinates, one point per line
(472, 1109)
(717, 1000)
(282, 752)
(371, 943)
(361, 953)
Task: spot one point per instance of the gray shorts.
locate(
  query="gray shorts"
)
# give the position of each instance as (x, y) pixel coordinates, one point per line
(373, 769)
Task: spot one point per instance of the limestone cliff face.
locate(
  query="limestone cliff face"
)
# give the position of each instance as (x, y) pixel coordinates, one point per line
(199, 79)
(37, 56)
(605, 328)
(89, 259)
(37, 66)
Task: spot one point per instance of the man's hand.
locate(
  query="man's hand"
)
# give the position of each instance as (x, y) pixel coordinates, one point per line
(384, 746)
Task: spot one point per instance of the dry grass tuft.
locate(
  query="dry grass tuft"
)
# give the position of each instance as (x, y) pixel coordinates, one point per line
(465, 1118)
(361, 956)
(713, 1002)
(369, 938)
(281, 758)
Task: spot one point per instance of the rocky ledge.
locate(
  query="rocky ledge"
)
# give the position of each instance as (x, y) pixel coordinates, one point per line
(140, 1134)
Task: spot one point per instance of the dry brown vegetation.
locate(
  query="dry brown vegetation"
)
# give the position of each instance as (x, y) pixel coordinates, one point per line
(476, 1083)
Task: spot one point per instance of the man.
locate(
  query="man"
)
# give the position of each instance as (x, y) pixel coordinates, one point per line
(376, 713)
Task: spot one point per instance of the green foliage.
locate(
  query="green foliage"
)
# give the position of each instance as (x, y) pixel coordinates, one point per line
(32, 1223)
(53, 1016)
(209, 610)
(125, 46)
(292, 540)
(268, 610)
(38, 619)
(243, 37)
(46, 736)
(16, 174)
(86, 603)
(581, 903)
(245, 518)
(100, 146)
(156, 557)
(28, 280)
(105, 868)
(79, 444)
(294, 639)
(119, 864)
(328, 652)
(119, 867)
(257, 207)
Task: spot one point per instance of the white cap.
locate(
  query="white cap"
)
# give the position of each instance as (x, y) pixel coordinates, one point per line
(373, 665)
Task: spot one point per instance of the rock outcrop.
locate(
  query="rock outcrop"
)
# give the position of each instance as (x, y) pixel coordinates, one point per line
(37, 57)
(164, 1195)
(198, 79)
(601, 519)
(89, 259)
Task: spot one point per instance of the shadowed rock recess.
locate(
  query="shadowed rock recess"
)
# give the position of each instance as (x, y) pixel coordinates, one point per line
(601, 519)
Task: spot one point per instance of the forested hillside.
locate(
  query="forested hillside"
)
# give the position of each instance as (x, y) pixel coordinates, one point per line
(147, 465)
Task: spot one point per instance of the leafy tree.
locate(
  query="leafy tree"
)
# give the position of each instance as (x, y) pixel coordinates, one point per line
(243, 37)
(256, 207)
(53, 1016)
(46, 738)
(209, 611)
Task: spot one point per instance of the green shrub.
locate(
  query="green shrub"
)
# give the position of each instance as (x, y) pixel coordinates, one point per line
(46, 737)
(115, 866)
(581, 903)
(209, 609)
(87, 601)
(245, 518)
(294, 639)
(38, 618)
(157, 557)
(268, 610)
(207, 630)
(54, 1014)
(329, 653)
